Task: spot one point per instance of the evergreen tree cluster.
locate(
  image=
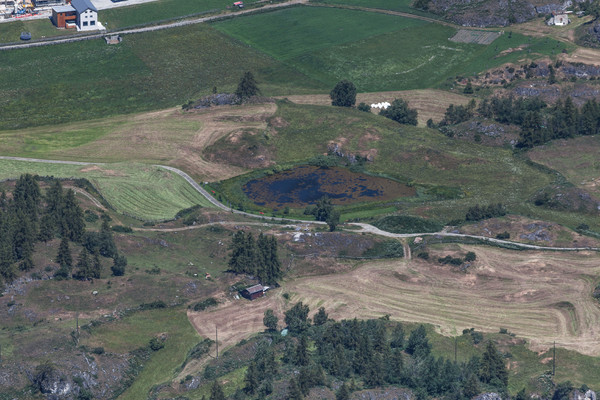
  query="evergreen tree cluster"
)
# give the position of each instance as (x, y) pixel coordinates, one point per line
(29, 217)
(374, 353)
(255, 257)
(538, 122)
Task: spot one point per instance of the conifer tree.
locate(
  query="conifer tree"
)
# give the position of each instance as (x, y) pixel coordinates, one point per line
(492, 366)
(216, 392)
(343, 393)
(301, 357)
(119, 264)
(397, 341)
(251, 379)
(73, 224)
(84, 270)
(320, 317)
(107, 245)
(294, 392)
(96, 266)
(64, 259)
(54, 207)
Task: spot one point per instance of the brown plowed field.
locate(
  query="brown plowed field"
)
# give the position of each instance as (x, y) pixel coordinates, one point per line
(540, 296)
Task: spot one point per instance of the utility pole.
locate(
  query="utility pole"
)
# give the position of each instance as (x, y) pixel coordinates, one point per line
(554, 360)
(455, 345)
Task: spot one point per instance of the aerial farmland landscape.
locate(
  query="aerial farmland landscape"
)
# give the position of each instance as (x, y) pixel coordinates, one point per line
(300, 199)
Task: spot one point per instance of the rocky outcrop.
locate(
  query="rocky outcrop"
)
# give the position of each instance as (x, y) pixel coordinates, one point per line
(488, 396)
(483, 13)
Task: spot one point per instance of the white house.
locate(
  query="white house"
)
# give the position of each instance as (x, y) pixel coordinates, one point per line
(87, 15)
(559, 18)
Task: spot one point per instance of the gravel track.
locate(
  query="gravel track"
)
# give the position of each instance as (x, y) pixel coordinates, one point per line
(364, 228)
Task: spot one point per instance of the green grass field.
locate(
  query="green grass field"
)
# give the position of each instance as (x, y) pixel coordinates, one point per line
(141, 191)
(115, 18)
(135, 331)
(313, 49)
(89, 80)
(379, 52)
(392, 5)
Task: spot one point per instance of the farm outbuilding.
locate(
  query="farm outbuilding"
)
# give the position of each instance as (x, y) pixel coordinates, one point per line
(254, 292)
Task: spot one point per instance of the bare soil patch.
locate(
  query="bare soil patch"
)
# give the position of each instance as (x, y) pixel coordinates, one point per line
(583, 55)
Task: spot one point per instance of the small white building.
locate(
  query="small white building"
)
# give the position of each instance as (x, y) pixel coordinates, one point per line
(87, 15)
(559, 18)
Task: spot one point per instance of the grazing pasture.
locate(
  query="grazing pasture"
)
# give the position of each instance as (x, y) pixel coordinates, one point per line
(577, 159)
(155, 70)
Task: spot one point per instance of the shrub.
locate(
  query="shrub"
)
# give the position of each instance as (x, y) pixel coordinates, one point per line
(204, 304)
(155, 344)
(364, 107)
(470, 256)
(154, 305)
(399, 112)
(407, 224)
(122, 229)
(424, 255)
(503, 235)
(98, 350)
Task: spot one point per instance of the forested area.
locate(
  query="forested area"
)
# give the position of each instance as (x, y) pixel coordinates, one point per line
(27, 216)
(352, 355)
(539, 123)
(255, 257)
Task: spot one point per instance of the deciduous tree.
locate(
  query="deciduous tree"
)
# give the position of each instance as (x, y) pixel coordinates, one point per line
(343, 94)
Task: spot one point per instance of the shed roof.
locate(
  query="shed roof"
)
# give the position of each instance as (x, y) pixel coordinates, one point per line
(82, 5)
(255, 289)
(62, 9)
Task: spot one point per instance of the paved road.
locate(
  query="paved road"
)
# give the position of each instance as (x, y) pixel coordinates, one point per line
(366, 228)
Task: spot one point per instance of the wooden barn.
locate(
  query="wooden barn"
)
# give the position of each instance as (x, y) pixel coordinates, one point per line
(254, 292)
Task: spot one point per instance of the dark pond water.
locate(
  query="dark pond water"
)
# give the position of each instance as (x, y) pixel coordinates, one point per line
(306, 184)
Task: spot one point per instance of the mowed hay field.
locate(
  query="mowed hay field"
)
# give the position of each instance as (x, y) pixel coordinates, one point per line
(168, 137)
(430, 103)
(141, 191)
(542, 297)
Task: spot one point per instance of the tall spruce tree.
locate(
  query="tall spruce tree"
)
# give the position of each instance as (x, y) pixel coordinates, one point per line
(73, 224)
(84, 270)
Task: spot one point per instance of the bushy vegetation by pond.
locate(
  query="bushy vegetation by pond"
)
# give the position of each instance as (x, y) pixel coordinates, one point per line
(407, 224)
